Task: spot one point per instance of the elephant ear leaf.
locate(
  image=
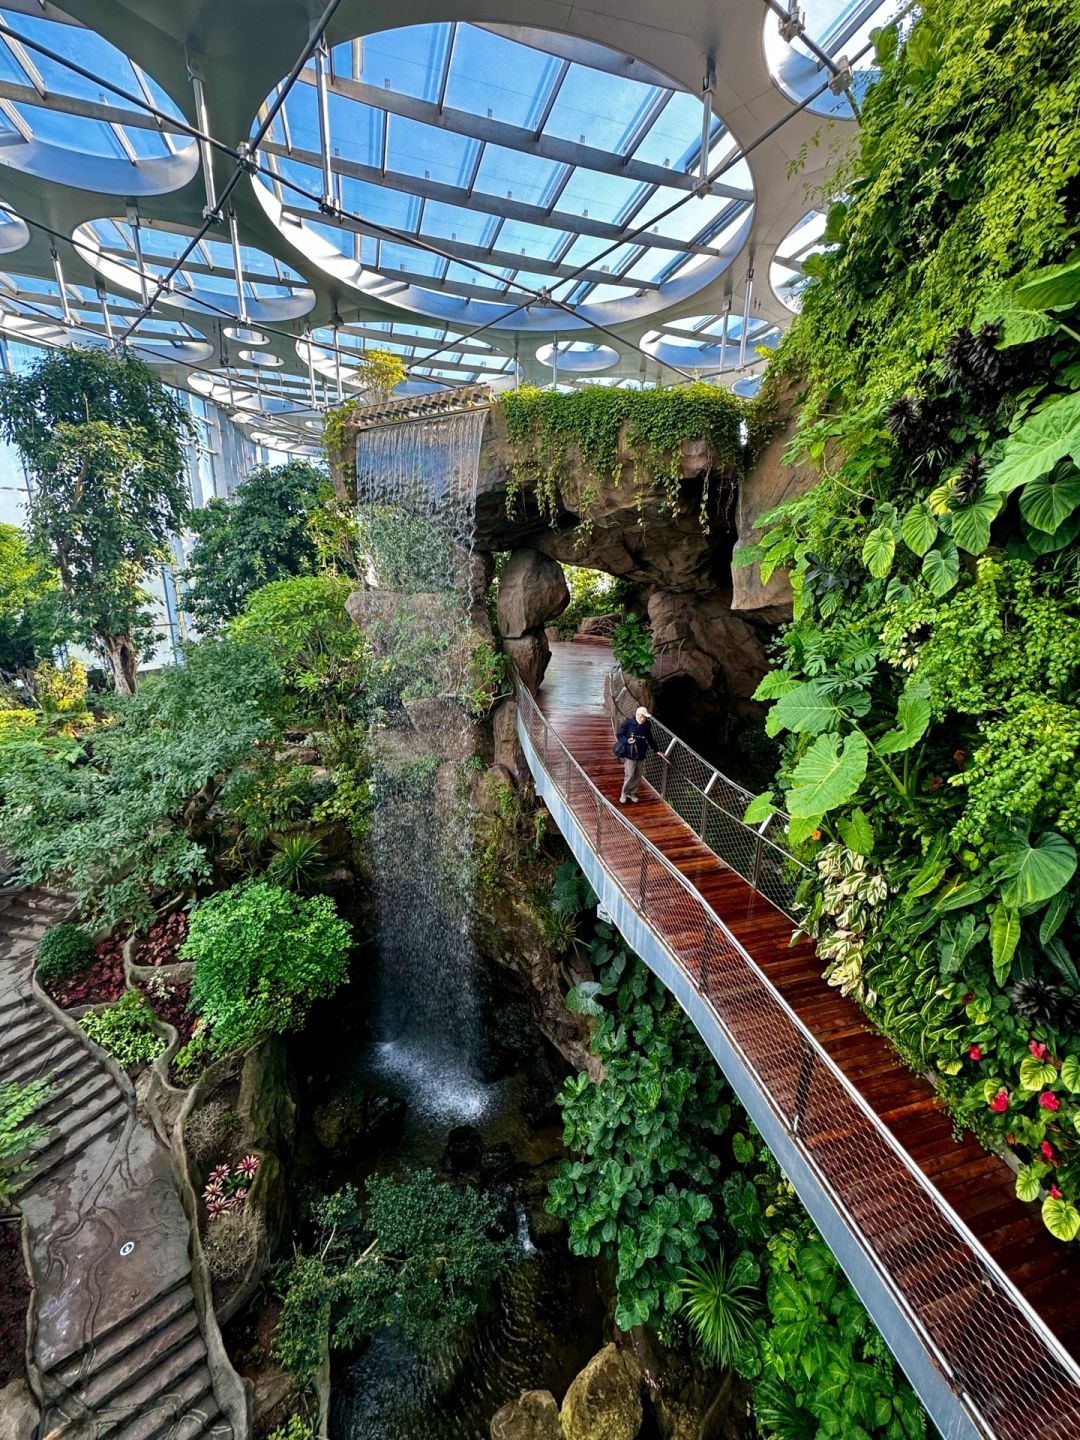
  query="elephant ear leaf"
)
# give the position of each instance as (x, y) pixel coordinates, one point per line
(1054, 287)
(1004, 936)
(1061, 1218)
(941, 568)
(1033, 874)
(807, 710)
(828, 775)
(857, 833)
(1046, 437)
(919, 528)
(971, 523)
(879, 547)
(1046, 503)
(912, 721)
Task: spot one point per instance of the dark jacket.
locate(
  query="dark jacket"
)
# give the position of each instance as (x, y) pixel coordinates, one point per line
(638, 736)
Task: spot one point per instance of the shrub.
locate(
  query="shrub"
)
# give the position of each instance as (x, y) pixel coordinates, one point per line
(633, 646)
(298, 862)
(262, 955)
(17, 1104)
(720, 1301)
(230, 1246)
(62, 952)
(125, 1030)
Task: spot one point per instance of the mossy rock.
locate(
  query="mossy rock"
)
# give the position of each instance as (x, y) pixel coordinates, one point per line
(534, 1415)
(604, 1401)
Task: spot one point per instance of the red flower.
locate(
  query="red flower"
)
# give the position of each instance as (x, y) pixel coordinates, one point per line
(1049, 1101)
(1048, 1152)
(975, 1053)
(1039, 1051)
(1010, 1139)
(936, 783)
(959, 757)
(1000, 1103)
(1055, 1193)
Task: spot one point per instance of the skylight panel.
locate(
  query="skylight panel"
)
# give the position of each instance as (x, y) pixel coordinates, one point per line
(455, 223)
(356, 130)
(498, 78)
(514, 175)
(430, 153)
(597, 109)
(517, 236)
(599, 197)
(409, 61)
(407, 257)
(676, 127)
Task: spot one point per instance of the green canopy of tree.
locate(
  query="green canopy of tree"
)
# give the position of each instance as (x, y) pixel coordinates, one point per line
(34, 616)
(260, 535)
(103, 440)
(128, 810)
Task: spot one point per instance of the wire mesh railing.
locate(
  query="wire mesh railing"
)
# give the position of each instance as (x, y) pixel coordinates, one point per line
(997, 1355)
(713, 805)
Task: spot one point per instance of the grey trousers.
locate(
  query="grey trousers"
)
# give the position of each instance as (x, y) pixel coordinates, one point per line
(631, 778)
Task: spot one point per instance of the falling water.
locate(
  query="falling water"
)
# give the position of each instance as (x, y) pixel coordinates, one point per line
(416, 484)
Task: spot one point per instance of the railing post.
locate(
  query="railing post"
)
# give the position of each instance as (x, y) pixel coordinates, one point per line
(802, 1089)
(643, 877)
(758, 847)
(705, 805)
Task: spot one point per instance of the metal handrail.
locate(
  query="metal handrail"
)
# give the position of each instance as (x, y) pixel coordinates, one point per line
(713, 804)
(903, 1223)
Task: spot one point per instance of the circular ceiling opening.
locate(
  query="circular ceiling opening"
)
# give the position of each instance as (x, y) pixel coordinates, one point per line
(711, 344)
(136, 257)
(64, 129)
(787, 274)
(578, 357)
(476, 177)
(841, 29)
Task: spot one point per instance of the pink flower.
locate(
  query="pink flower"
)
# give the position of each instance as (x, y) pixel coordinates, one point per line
(240, 1195)
(249, 1165)
(1049, 1101)
(219, 1172)
(1039, 1051)
(975, 1053)
(1048, 1152)
(1000, 1103)
(1055, 1193)
(217, 1207)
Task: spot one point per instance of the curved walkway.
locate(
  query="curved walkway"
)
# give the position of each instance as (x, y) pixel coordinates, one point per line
(115, 1334)
(979, 1303)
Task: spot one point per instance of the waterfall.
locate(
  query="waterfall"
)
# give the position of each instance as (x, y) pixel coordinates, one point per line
(416, 495)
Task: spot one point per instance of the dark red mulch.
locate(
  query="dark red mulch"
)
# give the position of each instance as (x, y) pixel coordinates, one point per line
(162, 940)
(171, 1006)
(101, 984)
(14, 1298)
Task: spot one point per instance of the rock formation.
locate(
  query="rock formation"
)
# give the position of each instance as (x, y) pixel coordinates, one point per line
(532, 591)
(604, 1401)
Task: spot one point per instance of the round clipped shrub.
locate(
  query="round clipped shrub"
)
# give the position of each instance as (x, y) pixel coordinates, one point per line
(262, 956)
(62, 952)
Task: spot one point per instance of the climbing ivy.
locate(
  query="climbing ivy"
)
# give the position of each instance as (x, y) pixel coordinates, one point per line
(548, 431)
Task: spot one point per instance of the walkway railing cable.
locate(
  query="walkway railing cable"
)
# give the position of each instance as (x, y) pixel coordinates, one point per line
(713, 804)
(996, 1353)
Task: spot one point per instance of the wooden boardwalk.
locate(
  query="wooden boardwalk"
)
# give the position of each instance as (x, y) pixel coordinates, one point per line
(979, 1188)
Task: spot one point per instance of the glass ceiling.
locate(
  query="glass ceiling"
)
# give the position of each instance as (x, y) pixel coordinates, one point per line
(540, 169)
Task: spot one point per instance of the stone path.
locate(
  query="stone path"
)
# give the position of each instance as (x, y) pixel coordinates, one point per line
(116, 1334)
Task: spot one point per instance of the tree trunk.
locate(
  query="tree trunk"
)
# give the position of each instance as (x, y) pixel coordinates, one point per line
(120, 655)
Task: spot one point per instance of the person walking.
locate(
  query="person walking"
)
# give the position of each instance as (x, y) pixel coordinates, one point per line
(635, 739)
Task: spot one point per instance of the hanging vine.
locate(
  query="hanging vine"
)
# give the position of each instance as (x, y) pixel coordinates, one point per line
(551, 434)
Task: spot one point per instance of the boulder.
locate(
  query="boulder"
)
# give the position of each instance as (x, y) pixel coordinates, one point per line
(19, 1413)
(529, 655)
(358, 1115)
(703, 640)
(604, 1401)
(464, 1146)
(534, 1415)
(532, 591)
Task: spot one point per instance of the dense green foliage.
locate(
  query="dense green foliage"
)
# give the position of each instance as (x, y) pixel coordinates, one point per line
(63, 951)
(930, 691)
(543, 426)
(103, 439)
(125, 1030)
(592, 593)
(672, 1182)
(418, 1255)
(34, 616)
(963, 175)
(262, 955)
(18, 1133)
(632, 644)
(128, 809)
(259, 535)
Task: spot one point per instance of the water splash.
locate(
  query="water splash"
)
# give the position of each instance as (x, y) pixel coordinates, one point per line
(416, 491)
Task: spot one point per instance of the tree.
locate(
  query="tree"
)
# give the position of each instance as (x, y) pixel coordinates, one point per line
(34, 616)
(260, 535)
(103, 440)
(419, 1255)
(129, 809)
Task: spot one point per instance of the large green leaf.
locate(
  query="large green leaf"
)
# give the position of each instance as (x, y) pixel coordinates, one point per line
(1021, 326)
(912, 721)
(961, 892)
(828, 774)
(775, 684)
(1029, 1180)
(1045, 438)
(1054, 287)
(760, 808)
(1004, 936)
(941, 568)
(1061, 1218)
(1070, 1074)
(857, 833)
(807, 710)
(1054, 918)
(971, 523)
(1049, 501)
(1034, 873)
(1036, 1074)
(878, 550)
(1043, 544)
(919, 528)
